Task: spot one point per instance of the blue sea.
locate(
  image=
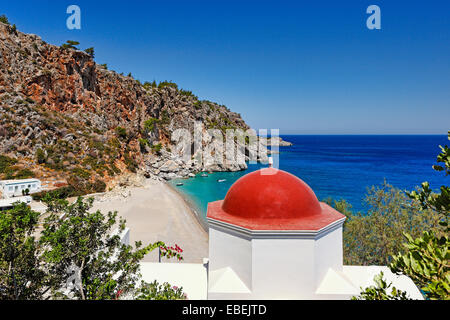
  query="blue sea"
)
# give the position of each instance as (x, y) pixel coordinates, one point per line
(339, 166)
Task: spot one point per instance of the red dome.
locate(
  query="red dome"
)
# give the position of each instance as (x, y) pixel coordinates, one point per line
(268, 194)
(272, 199)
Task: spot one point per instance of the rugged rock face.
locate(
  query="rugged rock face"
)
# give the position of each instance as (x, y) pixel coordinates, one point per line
(67, 118)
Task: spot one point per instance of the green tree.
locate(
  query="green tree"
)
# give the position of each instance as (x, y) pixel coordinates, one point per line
(148, 85)
(24, 174)
(70, 44)
(426, 261)
(90, 51)
(80, 241)
(121, 132)
(21, 273)
(379, 291)
(5, 163)
(4, 19)
(164, 84)
(149, 124)
(40, 156)
(156, 148)
(372, 238)
(143, 143)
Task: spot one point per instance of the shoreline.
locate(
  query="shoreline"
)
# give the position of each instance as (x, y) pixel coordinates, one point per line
(155, 211)
(195, 210)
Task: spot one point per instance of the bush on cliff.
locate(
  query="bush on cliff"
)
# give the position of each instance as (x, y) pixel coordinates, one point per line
(90, 51)
(70, 44)
(5, 163)
(149, 124)
(4, 19)
(167, 84)
(121, 132)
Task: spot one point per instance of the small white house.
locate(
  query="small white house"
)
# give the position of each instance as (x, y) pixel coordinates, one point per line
(15, 188)
(7, 204)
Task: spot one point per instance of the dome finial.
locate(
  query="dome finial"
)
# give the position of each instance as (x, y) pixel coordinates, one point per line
(270, 162)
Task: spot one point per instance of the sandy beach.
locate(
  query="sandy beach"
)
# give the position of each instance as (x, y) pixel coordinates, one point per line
(156, 212)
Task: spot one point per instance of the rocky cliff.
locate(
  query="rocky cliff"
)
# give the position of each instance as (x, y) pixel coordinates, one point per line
(67, 119)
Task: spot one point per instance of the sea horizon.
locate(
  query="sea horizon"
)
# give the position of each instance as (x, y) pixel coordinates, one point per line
(337, 166)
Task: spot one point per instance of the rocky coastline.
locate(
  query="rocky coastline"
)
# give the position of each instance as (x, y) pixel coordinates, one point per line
(64, 117)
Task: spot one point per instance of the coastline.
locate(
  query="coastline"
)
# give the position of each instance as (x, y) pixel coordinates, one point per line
(155, 211)
(195, 210)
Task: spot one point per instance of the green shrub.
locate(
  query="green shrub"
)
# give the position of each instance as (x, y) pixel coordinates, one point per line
(143, 143)
(29, 100)
(169, 84)
(157, 148)
(99, 186)
(379, 291)
(114, 143)
(24, 174)
(165, 117)
(82, 186)
(373, 238)
(4, 19)
(148, 85)
(90, 51)
(70, 44)
(79, 172)
(6, 162)
(121, 132)
(188, 93)
(149, 125)
(130, 162)
(60, 193)
(156, 291)
(197, 105)
(40, 156)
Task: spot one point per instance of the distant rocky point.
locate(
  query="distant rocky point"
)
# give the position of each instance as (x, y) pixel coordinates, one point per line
(275, 141)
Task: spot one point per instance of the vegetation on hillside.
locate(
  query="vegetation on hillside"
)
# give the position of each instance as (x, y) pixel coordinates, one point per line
(4, 19)
(70, 44)
(8, 170)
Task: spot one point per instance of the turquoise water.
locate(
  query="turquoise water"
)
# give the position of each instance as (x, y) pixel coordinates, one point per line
(339, 166)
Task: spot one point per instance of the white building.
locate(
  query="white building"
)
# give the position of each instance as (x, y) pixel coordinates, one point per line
(6, 204)
(270, 238)
(14, 188)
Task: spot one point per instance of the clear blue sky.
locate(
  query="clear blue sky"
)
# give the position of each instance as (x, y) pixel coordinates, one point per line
(304, 67)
